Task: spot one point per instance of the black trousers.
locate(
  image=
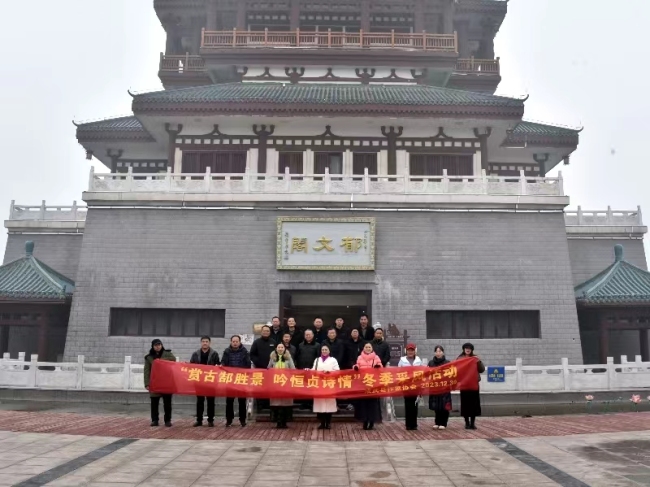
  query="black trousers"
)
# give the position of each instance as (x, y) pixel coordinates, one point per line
(325, 418)
(167, 407)
(199, 408)
(411, 411)
(281, 414)
(230, 409)
(442, 417)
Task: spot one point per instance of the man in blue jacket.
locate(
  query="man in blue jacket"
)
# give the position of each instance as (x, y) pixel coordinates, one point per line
(206, 356)
(236, 355)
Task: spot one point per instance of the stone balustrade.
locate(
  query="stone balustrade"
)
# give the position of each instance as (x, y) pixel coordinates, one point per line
(21, 374)
(44, 212)
(609, 217)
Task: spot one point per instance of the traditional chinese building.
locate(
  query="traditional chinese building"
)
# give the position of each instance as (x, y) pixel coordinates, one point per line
(312, 158)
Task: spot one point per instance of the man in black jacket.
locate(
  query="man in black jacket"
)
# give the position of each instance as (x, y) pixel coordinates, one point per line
(236, 355)
(308, 351)
(262, 348)
(381, 347)
(366, 333)
(342, 332)
(276, 330)
(337, 347)
(293, 330)
(205, 356)
(320, 333)
(353, 348)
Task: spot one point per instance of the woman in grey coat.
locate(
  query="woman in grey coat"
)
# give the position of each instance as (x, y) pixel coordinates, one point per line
(281, 359)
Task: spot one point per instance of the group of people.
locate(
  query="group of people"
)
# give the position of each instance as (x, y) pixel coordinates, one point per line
(324, 350)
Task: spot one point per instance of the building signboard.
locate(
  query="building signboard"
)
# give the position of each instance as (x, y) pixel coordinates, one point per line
(496, 374)
(328, 244)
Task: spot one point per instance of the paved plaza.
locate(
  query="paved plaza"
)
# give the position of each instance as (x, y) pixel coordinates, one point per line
(587, 450)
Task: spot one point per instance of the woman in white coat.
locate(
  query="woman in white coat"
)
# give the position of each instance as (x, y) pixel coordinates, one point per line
(411, 402)
(325, 407)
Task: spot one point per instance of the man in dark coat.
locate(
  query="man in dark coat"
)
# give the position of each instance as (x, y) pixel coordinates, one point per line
(293, 330)
(353, 348)
(342, 332)
(381, 347)
(308, 351)
(276, 330)
(286, 340)
(337, 347)
(262, 348)
(157, 351)
(320, 333)
(236, 355)
(205, 356)
(366, 333)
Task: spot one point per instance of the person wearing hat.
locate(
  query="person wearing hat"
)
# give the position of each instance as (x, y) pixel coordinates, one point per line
(470, 401)
(158, 352)
(411, 402)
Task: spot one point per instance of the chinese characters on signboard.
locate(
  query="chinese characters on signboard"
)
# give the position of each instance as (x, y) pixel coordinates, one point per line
(326, 243)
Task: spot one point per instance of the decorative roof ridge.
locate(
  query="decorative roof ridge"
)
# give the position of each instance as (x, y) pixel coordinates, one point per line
(46, 271)
(553, 125)
(103, 119)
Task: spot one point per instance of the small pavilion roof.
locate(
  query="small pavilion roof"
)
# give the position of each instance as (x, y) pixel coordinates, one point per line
(121, 128)
(29, 279)
(620, 284)
(540, 134)
(415, 100)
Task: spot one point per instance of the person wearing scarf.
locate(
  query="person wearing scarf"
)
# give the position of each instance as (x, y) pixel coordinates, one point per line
(325, 407)
(368, 410)
(158, 352)
(281, 359)
(470, 401)
(440, 403)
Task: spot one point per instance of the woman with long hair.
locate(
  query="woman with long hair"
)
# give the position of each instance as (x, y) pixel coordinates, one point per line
(326, 406)
(368, 410)
(440, 403)
(281, 359)
(470, 401)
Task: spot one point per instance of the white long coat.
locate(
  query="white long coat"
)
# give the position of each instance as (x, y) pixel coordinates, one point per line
(329, 365)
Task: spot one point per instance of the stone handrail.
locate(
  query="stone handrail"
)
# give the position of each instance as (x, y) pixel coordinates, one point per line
(286, 183)
(328, 40)
(604, 218)
(44, 212)
(21, 374)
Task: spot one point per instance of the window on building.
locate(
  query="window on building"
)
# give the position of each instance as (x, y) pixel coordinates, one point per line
(468, 325)
(292, 160)
(163, 322)
(434, 164)
(219, 162)
(328, 160)
(362, 160)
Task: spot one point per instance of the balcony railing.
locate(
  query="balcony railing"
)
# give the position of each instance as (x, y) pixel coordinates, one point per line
(329, 40)
(286, 183)
(181, 64)
(47, 213)
(478, 66)
(609, 218)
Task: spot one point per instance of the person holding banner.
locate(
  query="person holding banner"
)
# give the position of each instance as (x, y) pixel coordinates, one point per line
(260, 352)
(368, 410)
(325, 407)
(440, 403)
(410, 402)
(236, 355)
(281, 359)
(158, 352)
(205, 356)
(470, 400)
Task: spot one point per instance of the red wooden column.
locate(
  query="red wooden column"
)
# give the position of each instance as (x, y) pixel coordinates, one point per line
(604, 341)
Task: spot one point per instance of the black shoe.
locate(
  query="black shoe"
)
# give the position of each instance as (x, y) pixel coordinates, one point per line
(371, 426)
(153, 423)
(168, 424)
(228, 424)
(321, 426)
(328, 426)
(467, 426)
(242, 423)
(472, 426)
(365, 426)
(197, 424)
(211, 424)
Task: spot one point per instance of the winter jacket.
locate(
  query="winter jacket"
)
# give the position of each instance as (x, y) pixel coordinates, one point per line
(296, 337)
(439, 402)
(337, 350)
(213, 357)
(274, 363)
(382, 349)
(306, 354)
(236, 357)
(276, 336)
(342, 334)
(367, 335)
(368, 361)
(320, 336)
(328, 365)
(404, 362)
(292, 351)
(261, 351)
(148, 362)
(352, 351)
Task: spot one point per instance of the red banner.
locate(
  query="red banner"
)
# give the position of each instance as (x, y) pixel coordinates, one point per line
(205, 380)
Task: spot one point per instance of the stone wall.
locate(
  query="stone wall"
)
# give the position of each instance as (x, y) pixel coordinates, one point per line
(60, 252)
(590, 256)
(226, 259)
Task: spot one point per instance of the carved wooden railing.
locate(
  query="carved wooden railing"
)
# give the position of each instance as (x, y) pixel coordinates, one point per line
(482, 66)
(325, 40)
(181, 64)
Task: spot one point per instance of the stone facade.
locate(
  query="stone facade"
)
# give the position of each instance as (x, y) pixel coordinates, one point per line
(226, 259)
(591, 256)
(61, 252)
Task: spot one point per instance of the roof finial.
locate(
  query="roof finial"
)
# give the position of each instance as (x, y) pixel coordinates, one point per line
(618, 252)
(29, 248)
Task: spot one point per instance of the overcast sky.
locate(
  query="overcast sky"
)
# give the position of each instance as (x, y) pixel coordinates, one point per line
(582, 64)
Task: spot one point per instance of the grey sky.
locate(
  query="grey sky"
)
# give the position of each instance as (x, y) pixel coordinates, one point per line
(581, 65)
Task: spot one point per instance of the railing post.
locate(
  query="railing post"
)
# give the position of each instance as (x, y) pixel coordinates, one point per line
(91, 179)
(42, 214)
(484, 181)
(168, 178)
(11, 209)
(129, 178)
(519, 374)
(297, 37)
(611, 373)
(126, 377)
(266, 35)
(31, 377)
(424, 40)
(407, 181)
(445, 181)
(639, 217)
(74, 210)
(366, 181)
(566, 378)
(392, 38)
(610, 215)
(360, 37)
(327, 180)
(234, 37)
(579, 215)
(247, 183)
(287, 179)
(329, 37)
(456, 41)
(80, 372)
(203, 37)
(522, 182)
(207, 180)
